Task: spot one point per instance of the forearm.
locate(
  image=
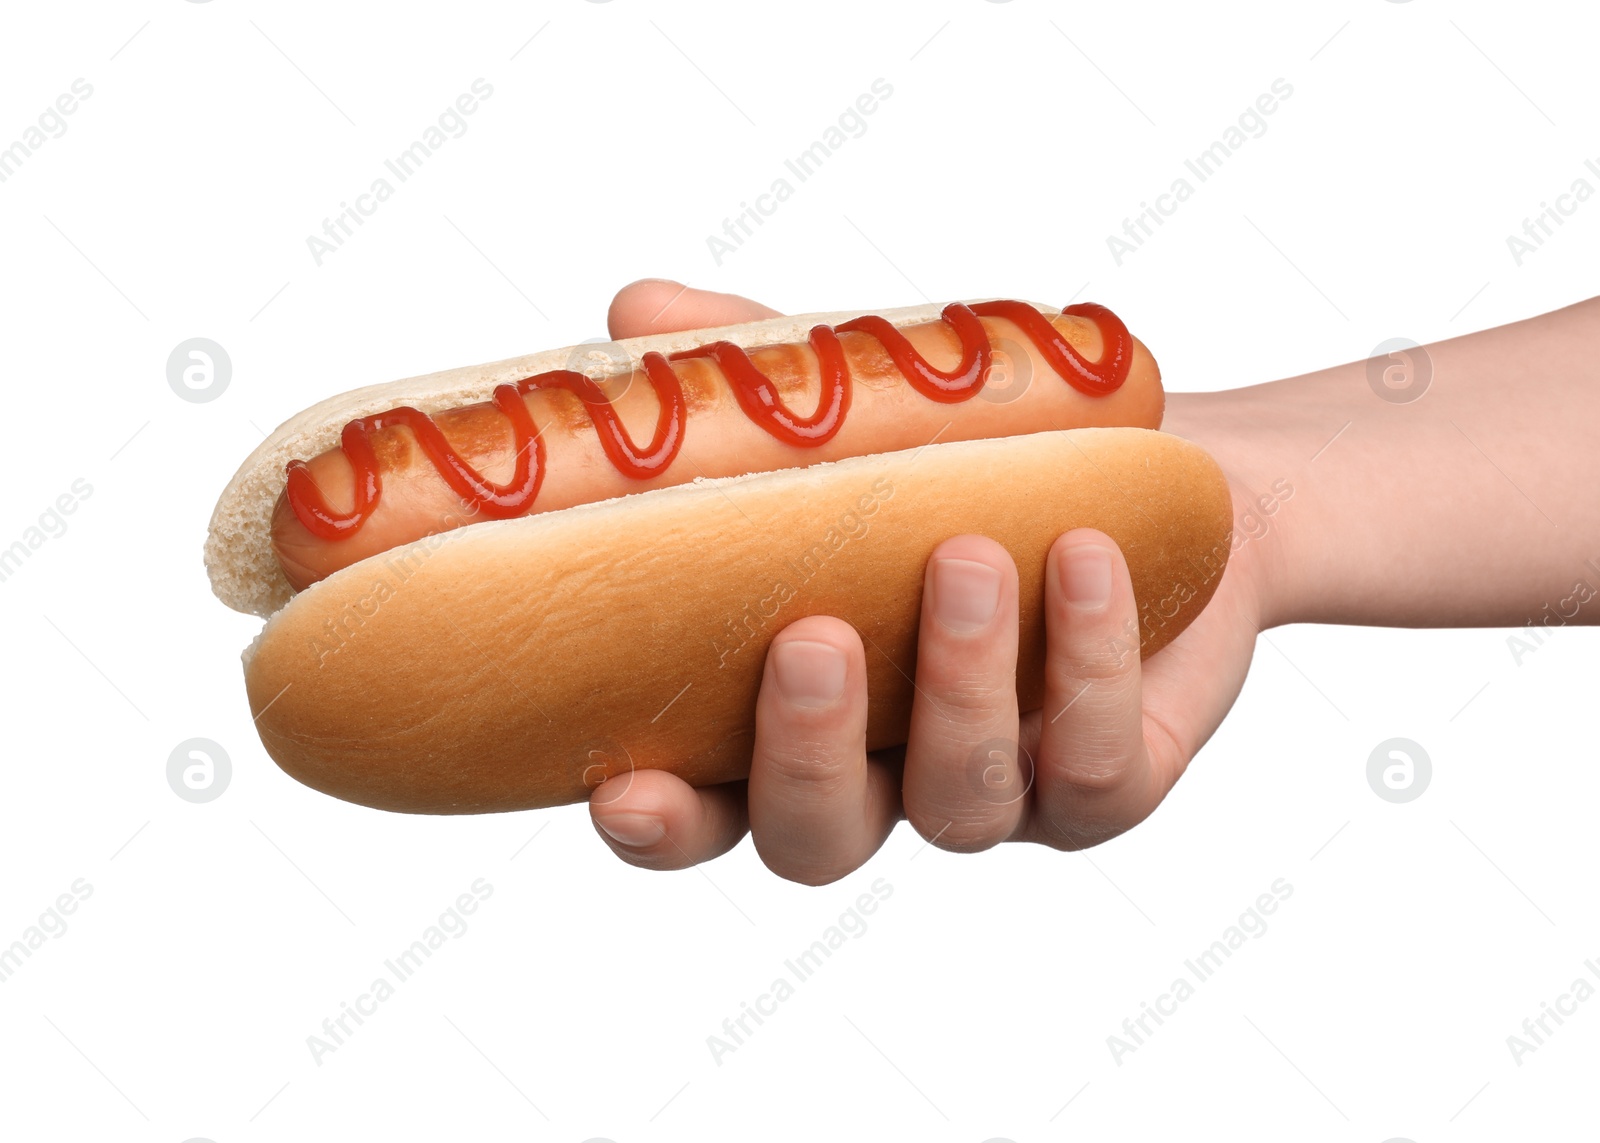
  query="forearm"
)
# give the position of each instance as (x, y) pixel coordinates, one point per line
(1476, 504)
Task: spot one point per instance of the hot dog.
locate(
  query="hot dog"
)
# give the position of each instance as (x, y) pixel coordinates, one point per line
(490, 596)
(555, 439)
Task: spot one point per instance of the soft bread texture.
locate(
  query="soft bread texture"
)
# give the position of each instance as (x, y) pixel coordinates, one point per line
(238, 551)
(516, 664)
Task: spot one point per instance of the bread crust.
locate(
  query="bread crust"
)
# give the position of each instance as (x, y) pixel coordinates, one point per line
(516, 664)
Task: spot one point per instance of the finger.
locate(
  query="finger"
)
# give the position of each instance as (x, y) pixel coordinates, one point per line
(656, 820)
(963, 787)
(1193, 682)
(657, 305)
(818, 808)
(1093, 772)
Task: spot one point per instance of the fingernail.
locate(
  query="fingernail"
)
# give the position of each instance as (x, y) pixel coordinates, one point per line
(808, 673)
(1086, 577)
(633, 829)
(965, 593)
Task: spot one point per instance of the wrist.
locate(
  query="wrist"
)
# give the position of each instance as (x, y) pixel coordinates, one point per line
(1250, 434)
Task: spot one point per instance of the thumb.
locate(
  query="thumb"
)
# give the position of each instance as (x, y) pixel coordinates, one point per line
(659, 305)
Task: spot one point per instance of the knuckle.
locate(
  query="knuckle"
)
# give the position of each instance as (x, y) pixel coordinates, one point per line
(968, 697)
(1096, 774)
(962, 832)
(1094, 662)
(1084, 693)
(811, 770)
(997, 773)
(1098, 760)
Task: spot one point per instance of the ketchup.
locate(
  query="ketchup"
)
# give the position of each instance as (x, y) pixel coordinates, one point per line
(756, 393)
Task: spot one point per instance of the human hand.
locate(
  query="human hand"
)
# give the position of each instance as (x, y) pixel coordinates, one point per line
(1112, 738)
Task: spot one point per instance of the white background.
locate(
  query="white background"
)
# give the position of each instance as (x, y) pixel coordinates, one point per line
(978, 1002)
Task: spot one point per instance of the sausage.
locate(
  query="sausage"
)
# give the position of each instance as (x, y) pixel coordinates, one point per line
(992, 370)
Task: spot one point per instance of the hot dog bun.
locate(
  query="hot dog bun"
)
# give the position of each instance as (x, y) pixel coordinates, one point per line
(515, 664)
